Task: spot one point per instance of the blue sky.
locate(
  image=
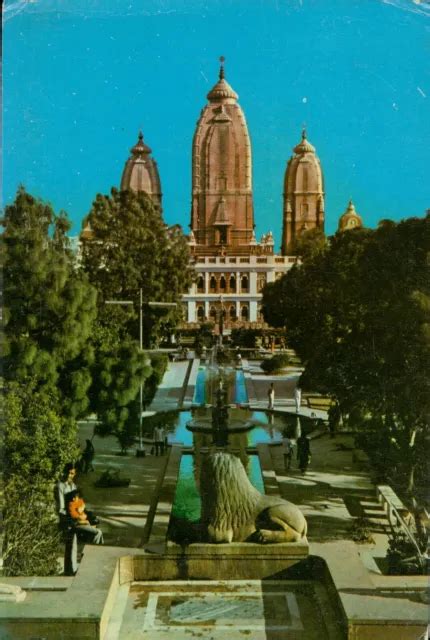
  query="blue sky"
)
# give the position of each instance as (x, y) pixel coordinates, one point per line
(82, 76)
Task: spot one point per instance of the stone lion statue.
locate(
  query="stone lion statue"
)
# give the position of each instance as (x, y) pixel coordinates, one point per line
(234, 511)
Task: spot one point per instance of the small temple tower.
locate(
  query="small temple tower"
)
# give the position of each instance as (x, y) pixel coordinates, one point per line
(141, 172)
(222, 218)
(350, 219)
(303, 194)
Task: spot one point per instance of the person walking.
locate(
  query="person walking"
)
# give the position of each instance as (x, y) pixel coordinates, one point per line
(288, 449)
(333, 416)
(303, 452)
(163, 440)
(158, 440)
(297, 398)
(87, 457)
(271, 397)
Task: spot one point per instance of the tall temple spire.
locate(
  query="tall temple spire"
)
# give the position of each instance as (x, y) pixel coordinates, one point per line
(303, 193)
(222, 209)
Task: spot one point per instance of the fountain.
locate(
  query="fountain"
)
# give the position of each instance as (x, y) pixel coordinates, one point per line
(219, 424)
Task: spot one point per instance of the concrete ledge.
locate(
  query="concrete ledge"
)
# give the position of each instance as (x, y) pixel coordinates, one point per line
(162, 502)
(370, 605)
(191, 384)
(234, 561)
(82, 611)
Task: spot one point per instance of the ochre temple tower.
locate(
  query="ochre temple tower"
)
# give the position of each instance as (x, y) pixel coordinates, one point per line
(141, 172)
(222, 218)
(303, 194)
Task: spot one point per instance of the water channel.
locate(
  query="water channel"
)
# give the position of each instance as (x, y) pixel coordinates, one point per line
(264, 428)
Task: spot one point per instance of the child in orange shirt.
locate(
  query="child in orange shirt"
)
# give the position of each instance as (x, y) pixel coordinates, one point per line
(77, 508)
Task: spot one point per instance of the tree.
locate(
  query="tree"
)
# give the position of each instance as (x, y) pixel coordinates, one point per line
(119, 369)
(356, 315)
(49, 304)
(309, 243)
(49, 311)
(131, 248)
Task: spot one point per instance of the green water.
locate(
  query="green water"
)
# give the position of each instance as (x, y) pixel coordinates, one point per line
(187, 503)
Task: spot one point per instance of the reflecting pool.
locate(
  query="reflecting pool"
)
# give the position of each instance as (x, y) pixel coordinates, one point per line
(207, 382)
(268, 428)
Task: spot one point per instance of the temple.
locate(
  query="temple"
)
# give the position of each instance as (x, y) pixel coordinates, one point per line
(350, 219)
(303, 194)
(141, 172)
(222, 217)
(231, 266)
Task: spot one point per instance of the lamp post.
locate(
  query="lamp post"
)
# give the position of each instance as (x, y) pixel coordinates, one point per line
(140, 452)
(221, 319)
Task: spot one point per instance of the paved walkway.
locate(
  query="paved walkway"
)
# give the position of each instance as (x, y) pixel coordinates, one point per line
(122, 510)
(170, 393)
(331, 490)
(258, 383)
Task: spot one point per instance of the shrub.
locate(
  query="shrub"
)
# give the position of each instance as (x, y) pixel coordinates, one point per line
(31, 532)
(276, 363)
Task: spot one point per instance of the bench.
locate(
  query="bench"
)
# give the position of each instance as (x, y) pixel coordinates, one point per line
(389, 498)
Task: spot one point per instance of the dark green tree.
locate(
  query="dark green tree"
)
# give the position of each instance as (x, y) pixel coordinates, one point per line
(131, 248)
(49, 305)
(356, 315)
(37, 442)
(309, 243)
(49, 311)
(119, 368)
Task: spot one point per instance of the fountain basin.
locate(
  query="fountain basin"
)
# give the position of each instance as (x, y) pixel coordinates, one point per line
(232, 561)
(204, 426)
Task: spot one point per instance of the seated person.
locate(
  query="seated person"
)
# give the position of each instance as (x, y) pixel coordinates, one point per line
(76, 510)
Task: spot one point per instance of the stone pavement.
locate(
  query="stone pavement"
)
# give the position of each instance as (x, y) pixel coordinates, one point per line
(170, 393)
(331, 490)
(122, 510)
(258, 383)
